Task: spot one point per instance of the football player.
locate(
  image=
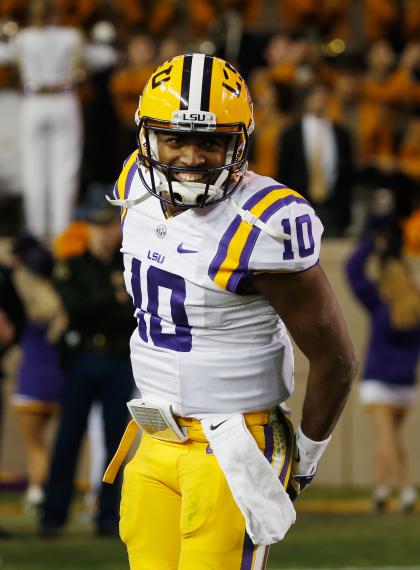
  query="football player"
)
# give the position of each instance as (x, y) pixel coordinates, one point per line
(219, 261)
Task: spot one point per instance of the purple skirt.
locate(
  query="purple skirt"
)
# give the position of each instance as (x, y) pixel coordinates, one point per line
(40, 378)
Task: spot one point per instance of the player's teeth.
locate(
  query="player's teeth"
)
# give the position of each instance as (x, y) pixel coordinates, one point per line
(189, 177)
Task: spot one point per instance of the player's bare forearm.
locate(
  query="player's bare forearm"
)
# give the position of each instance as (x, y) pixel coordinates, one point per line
(309, 309)
(326, 394)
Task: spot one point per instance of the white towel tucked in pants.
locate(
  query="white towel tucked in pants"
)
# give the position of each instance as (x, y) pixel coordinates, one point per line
(258, 492)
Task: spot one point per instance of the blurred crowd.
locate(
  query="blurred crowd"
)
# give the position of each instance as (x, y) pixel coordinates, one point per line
(336, 92)
(354, 66)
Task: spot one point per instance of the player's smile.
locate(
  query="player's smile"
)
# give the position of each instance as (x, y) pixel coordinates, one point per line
(189, 177)
(195, 151)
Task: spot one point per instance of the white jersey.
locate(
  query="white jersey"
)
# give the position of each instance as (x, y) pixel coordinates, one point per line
(47, 56)
(200, 344)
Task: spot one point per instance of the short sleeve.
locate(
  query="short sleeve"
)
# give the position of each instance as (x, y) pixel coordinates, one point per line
(246, 249)
(298, 220)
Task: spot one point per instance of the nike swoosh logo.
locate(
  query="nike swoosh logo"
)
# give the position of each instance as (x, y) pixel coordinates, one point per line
(181, 249)
(212, 427)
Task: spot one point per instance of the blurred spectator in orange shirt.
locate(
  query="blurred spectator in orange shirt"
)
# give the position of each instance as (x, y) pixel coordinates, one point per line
(344, 105)
(309, 64)
(153, 17)
(383, 167)
(272, 113)
(281, 58)
(381, 144)
(14, 10)
(201, 13)
(409, 151)
(326, 18)
(381, 19)
(375, 92)
(334, 18)
(204, 14)
(251, 11)
(411, 229)
(405, 80)
(79, 13)
(411, 22)
(168, 47)
(297, 14)
(292, 60)
(127, 85)
(380, 61)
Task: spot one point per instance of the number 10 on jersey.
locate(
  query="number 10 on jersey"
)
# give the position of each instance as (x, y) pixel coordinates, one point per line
(149, 321)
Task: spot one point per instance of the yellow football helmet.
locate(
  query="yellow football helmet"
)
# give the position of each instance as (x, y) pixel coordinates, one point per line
(200, 94)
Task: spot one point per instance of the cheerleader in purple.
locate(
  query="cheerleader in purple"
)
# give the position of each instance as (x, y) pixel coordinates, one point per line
(40, 379)
(387, 389)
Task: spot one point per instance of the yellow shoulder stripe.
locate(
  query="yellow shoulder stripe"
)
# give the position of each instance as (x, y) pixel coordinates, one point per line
(122, 179)
(240, 237)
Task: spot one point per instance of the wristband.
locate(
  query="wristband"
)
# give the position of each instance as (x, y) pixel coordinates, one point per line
(309, 452)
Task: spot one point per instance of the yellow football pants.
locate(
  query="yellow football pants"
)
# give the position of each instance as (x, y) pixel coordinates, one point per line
(177, 511)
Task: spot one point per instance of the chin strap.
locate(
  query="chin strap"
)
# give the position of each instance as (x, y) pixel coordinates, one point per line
(254, 221)
(128, 203)
(245, 214)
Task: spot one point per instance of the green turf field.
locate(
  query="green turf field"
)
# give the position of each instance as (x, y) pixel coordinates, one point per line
(333, 530)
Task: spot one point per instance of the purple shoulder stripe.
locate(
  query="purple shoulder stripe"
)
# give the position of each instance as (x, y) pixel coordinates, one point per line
(129, 180)
(223, 247)
(234, 225)
(127, 159)
(242, 270)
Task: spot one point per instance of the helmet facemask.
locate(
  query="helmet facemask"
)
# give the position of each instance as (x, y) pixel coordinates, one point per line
(220, 182)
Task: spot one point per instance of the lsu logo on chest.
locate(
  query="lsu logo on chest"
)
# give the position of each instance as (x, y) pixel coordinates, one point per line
(155, 256)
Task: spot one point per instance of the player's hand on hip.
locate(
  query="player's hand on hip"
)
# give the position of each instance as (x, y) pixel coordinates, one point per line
(306, 455)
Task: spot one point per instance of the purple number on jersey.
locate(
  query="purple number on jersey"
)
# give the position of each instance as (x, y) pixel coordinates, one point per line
(181, 340)
(300, 222)
(288, 251)
(137, 297)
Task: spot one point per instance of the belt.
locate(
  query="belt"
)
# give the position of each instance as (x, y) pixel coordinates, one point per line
(46, 89)
(195, 432)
